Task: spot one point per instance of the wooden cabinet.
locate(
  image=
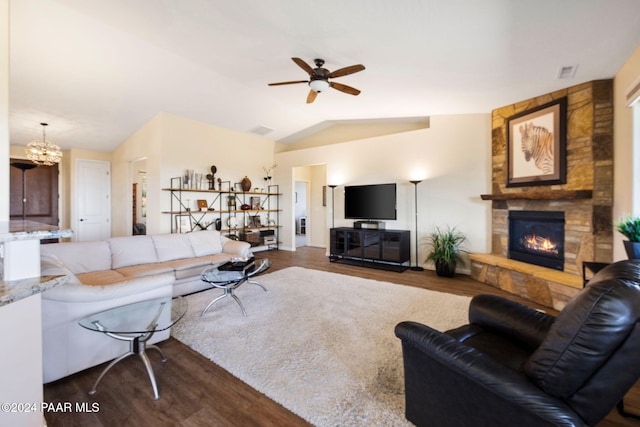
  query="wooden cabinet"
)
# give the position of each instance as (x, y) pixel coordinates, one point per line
(385, 249)
(252, 216)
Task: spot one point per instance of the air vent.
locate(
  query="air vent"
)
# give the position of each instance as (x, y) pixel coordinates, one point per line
(567, 71)
(261, 130)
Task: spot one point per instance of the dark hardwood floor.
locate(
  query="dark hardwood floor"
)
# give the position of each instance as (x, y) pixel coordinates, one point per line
(196, 392)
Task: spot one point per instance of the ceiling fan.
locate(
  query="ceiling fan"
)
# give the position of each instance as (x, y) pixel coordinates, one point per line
(319, 78)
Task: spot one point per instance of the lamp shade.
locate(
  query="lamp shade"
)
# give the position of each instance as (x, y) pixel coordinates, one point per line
(319, 85)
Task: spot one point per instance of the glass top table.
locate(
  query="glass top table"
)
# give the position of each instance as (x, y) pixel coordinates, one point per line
(230, 280)
(137, 323)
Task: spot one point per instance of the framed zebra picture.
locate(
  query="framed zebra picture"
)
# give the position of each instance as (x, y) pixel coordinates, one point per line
(537, 145)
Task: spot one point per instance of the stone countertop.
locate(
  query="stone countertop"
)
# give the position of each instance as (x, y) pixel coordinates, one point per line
(19, 289)
(29, 230)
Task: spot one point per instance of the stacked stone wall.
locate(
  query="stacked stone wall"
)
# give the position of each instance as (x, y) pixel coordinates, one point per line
(588, 220)
(588, 229)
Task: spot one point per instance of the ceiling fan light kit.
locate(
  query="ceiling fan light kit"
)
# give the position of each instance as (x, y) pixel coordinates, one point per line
(319, 85)
(319, 78)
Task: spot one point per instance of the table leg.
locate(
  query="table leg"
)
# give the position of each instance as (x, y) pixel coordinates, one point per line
(111, 365)
(226, 294)
(152, 377)
(229, 292)
(137, 345)
(155, 347)
(244, 312)
(253, 282)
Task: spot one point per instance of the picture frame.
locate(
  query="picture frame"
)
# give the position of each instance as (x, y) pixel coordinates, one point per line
(254, 221)
(537, 145)
(183, 223)
(254, 202)
(202, 205)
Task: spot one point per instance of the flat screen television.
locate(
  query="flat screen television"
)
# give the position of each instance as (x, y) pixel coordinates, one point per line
(369, 202)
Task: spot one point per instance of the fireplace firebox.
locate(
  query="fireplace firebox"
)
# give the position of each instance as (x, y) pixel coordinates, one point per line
(537, 237)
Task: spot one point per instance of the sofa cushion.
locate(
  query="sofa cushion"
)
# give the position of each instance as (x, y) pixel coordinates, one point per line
(132, 250)
(101, 278)
(81, 257)
(192, 267)
(82, 293)
(217, 259)
(142, 270)
(172, 246)
(585, 334)
(205, 242)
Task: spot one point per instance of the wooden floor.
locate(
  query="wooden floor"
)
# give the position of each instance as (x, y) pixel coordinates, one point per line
(196, 392)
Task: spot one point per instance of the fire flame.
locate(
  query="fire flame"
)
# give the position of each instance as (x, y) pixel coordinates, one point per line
(540, 244)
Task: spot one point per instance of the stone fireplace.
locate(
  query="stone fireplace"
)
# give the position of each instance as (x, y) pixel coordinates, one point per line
(537, 237)
(585, 200)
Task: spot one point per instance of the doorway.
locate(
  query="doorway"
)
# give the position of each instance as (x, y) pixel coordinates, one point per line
(300, 208)
(33, 192)
(139, 196)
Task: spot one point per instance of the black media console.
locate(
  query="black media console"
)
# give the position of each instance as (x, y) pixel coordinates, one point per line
(383, 249)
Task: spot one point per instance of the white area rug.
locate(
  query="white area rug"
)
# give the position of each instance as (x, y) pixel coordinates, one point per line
(321, 344)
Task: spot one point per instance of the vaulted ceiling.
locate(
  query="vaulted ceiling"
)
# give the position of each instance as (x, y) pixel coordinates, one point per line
(97, 70)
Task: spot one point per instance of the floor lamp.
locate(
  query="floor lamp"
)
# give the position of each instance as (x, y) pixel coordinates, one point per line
(24, 167)
(333, 205)
(415, 186)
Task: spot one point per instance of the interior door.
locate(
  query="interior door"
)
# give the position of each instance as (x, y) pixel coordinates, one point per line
(40, 193)
(93, 195)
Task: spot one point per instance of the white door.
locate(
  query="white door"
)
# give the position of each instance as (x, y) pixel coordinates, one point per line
(93, 195)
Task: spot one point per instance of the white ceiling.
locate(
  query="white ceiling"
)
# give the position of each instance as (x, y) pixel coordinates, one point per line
(97, 70)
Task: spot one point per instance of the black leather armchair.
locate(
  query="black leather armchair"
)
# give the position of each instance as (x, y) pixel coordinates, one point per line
(515, 366)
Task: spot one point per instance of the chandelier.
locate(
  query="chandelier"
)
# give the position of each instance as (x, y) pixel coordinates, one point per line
(43, 152)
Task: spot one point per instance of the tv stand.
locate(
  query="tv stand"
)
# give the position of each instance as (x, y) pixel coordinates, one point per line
(374, 248)
(369, 225)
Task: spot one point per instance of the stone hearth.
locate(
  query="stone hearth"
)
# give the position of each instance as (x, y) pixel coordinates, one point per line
(586, 199)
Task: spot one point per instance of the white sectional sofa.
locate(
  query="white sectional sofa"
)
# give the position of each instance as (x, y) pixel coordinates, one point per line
(112, 273)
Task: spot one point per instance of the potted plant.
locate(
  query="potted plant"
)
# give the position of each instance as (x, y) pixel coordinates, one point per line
(445, 249)
(629, 227)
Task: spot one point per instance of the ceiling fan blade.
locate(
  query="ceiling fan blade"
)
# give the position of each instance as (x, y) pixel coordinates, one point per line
(306, 67)
(288, 83)
(346, 70)
(312, 96)
(344, 88)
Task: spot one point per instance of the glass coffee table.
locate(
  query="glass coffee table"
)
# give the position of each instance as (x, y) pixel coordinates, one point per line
(230, 280)
(137, 323)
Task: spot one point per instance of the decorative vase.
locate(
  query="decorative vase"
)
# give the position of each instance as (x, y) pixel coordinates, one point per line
(632, 249)
(443, 269)
(245, 184)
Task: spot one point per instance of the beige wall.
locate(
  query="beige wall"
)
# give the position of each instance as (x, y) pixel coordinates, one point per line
(172, 144)
(453, 155)
(146, 142)
(626, 193)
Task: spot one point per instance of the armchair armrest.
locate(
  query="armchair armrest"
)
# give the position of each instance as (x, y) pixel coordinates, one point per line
(510, 319)
(449, 383)
(236, 248)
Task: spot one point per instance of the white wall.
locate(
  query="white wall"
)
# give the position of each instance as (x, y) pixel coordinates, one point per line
(453, 155)
(4, 109)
